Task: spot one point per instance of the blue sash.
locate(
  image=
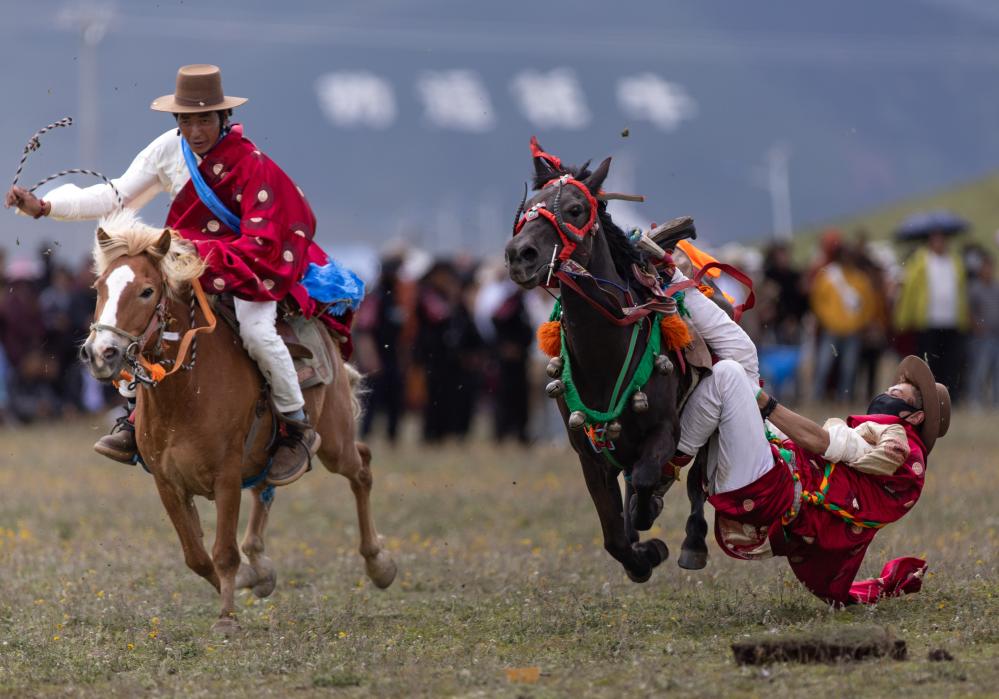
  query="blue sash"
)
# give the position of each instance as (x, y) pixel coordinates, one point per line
(205, 193)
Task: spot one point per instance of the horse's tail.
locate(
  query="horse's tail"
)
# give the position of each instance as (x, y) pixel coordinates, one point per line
(357, 389)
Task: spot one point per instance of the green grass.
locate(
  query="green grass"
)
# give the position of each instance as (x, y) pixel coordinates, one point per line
(976, 201)
(501, 566)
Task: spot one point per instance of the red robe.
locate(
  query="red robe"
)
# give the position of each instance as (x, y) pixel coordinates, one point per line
(266, 262)
(824, 549)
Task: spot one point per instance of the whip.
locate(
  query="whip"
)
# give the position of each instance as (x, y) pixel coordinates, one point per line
(34, 143)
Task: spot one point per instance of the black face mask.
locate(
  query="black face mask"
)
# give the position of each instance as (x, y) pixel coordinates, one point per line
(883, 404)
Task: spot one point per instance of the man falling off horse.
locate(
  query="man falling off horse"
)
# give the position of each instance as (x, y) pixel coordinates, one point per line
(251, 225)
(815, 494)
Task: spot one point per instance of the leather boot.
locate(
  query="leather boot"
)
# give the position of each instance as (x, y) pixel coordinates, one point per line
(293, 456)
(119, 444)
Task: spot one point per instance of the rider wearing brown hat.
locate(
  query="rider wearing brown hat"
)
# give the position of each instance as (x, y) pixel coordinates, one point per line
(816, 494)
(252, 226)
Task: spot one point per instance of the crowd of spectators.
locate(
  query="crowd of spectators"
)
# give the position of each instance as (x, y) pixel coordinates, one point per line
(827, 329)
(45, 310)
(448, 339)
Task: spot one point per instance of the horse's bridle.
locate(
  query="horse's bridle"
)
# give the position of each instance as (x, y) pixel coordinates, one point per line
(571, 235)
(137, 343)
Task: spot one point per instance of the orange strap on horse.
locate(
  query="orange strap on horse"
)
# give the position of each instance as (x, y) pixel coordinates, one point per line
(188, 338)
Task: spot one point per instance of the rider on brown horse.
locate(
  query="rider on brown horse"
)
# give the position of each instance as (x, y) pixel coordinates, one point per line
(258, 254)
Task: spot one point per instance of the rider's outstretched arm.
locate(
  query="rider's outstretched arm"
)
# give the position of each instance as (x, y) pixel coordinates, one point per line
(724, 337)
(138, 185)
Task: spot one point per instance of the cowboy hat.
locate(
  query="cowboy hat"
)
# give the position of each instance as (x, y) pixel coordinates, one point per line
(199, 89)
(936, 398)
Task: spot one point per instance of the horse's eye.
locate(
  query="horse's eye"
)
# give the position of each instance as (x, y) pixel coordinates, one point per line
(576, 210)
(147, 292)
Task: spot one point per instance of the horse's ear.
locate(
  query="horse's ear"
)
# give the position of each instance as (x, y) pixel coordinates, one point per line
(545, 164)
(102, 236)
(163, 244)
(596, 180)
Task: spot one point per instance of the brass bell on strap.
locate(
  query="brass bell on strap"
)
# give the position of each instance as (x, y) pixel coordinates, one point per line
(554, 368)
(555, 388)
(639, 402)
(577, 419)
(663, 364)
(613, 429)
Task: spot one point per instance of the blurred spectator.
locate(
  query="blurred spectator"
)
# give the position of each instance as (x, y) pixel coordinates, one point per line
(514, 334)
(783, 286)
(875, 334)
(446, 342)
(933, 304)
(379, 328)
(842, 299)
(983, 302)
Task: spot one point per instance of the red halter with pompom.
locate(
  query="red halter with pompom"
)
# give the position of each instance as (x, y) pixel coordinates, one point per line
(571, 235)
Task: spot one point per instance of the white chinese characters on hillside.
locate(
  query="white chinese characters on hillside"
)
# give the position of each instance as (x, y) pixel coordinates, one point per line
(459, 100)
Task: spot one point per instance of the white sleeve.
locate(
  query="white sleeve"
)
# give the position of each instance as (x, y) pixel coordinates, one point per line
(724, 337)
(845, 444)
(139, 184)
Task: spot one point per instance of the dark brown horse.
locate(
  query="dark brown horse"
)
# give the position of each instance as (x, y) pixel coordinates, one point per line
(563, 226)
(195, 428)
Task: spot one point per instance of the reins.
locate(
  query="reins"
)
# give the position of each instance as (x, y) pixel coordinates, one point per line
(151, 373)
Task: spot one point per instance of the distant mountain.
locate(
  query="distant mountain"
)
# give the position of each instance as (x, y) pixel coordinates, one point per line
(976, 201)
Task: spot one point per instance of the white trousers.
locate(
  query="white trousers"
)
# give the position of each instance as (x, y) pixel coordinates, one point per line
(725, 402)
(722, 413)
(260, 338)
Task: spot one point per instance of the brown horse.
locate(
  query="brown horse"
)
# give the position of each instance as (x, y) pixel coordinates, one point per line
(196, 429)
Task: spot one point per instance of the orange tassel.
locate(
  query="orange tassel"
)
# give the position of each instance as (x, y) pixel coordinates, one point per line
(706, 290)
(550, 338)
(676, 335)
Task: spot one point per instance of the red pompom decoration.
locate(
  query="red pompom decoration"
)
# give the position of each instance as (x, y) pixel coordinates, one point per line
(550, 338)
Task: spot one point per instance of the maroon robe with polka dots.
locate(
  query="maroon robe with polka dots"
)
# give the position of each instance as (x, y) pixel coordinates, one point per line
(825, 551)
(267, 260)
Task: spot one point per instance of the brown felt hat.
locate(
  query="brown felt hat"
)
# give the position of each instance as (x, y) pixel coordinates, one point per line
(936, 399)
(199, 89)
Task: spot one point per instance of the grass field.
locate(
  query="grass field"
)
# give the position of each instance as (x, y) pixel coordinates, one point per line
(501, 568)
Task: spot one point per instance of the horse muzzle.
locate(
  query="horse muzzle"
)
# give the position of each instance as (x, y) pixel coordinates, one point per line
(524, 263)
(104, 359)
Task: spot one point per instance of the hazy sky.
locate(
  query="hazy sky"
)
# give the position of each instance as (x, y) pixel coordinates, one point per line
(403, 119)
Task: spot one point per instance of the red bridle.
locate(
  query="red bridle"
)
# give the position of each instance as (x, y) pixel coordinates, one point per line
(571, 235)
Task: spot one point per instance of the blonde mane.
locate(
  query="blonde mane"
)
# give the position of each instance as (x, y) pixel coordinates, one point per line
(129, 236)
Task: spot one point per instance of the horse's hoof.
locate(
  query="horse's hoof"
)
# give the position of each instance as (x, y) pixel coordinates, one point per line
(265, 585)
(381, 569)
(246, 576)
(226, 626)
(692, 560)
(661, 550)
(639, 578)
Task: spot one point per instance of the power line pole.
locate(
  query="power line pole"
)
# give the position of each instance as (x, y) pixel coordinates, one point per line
(91, 21)
(779, 185)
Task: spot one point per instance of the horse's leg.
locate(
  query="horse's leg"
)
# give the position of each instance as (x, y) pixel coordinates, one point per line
(225, 552)
(184, 516)
(638, 559)
(694, 549)
(354, 463)
(258, 570)
(646, 475)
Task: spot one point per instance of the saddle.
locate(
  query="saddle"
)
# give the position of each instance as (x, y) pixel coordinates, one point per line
(303, 337)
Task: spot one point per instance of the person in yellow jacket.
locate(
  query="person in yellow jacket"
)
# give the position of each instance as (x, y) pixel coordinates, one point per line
(933, 303)
(843, 301)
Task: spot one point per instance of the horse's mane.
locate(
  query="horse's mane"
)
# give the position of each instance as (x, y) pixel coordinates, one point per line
(129, 236)
(623, 252)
